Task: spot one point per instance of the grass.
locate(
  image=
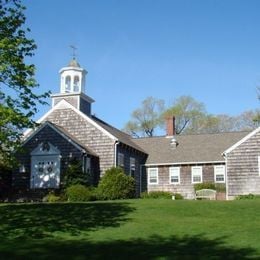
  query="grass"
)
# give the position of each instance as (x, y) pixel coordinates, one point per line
(132, 229)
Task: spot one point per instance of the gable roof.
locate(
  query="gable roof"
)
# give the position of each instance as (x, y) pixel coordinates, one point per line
(230, 149)
(120, 135)
(61, 131)
(191, 149)
(107, 129)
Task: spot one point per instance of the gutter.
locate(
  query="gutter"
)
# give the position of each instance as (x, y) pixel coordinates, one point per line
(115, 154)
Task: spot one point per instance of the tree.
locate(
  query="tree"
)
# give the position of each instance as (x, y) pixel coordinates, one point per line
(18, 100)
(187, 112)
(145, 119)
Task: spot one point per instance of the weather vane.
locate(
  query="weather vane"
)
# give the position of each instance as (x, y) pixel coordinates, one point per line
(73, 51)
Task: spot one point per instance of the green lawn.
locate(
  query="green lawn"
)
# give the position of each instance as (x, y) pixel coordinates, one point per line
(132, 229)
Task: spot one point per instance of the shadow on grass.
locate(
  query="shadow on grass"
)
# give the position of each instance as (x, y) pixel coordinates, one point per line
(189, 247)
(41, 220)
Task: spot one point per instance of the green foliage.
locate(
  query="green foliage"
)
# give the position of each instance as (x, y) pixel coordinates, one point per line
(146, 119)
(220, 187)
(51, 197)
(156, 195)
(249, 196)
(18, 101)
(116, 185)
(75, 175)
(78, 192)
(187, 112)
(204, 185)
(178, 196)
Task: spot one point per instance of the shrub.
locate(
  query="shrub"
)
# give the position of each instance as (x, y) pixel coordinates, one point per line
(79, 192)
(156, 195)
(53, 197)
(204, 185)
(178, 196)
(116, 185)
(75, 175)
(249, 196)
(220, 187)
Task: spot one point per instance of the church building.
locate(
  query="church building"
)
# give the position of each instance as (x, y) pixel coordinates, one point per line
(69, 131)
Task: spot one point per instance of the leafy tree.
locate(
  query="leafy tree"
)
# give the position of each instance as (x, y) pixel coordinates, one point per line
(187, 112)
(145, 119)
(18, 100)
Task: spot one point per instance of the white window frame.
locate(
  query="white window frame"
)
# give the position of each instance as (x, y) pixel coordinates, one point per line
(216, 167)
(193, 174)
(149, 176)
(174, 171)
(121, 160)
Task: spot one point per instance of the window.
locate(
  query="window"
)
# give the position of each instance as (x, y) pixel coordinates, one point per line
(196, 174)
(219, 173)
(76, 84)
(153, 175)
(132, 166)
(67, 84)
(86, 164)
(174, 173)
(121, 160)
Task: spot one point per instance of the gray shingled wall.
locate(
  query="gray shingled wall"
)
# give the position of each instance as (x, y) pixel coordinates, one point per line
(87, 134)
(186, 187)
(242, 168)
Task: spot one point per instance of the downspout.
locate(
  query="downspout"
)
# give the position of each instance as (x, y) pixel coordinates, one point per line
(226, 175)
(115, 155)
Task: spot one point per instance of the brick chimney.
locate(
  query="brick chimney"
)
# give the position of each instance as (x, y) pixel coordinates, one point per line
(170, 126)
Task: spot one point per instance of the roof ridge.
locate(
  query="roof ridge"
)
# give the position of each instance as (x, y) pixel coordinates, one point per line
(194, 134)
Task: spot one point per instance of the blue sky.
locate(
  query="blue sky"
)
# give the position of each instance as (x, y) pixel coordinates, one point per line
(132, 49)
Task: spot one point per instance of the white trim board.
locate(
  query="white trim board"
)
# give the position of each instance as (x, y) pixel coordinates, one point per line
(230, 149)
(182, 163)
(56, 130)
(64, 104)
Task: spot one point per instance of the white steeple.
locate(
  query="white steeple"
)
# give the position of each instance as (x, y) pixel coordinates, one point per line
(72, 78)
(72, 88)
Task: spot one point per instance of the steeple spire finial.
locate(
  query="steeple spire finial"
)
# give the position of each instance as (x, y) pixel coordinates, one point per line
(73, 51)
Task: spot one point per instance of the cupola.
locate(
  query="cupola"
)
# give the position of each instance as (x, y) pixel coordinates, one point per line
(72, 88)
(72, 78)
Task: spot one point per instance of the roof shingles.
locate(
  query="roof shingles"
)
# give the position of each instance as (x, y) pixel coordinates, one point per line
(190, 149)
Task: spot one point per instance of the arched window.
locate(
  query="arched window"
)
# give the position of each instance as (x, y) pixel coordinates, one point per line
(76, 84)
(67, 84)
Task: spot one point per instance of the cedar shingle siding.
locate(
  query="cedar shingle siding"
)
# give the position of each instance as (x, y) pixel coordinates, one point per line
(185, 187)
(21, 181)
(243, 168)
(87, 134)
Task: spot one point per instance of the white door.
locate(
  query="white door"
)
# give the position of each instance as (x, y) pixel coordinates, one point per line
(45, 171)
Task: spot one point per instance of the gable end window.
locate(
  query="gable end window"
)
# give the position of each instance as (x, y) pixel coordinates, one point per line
(121, 160)
(174, 175)
(196, 174)
(219, 173)
(132, 166)
(153, 175)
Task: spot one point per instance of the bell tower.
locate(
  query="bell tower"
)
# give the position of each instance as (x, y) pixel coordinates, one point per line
(72, 78)
(72, 87)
